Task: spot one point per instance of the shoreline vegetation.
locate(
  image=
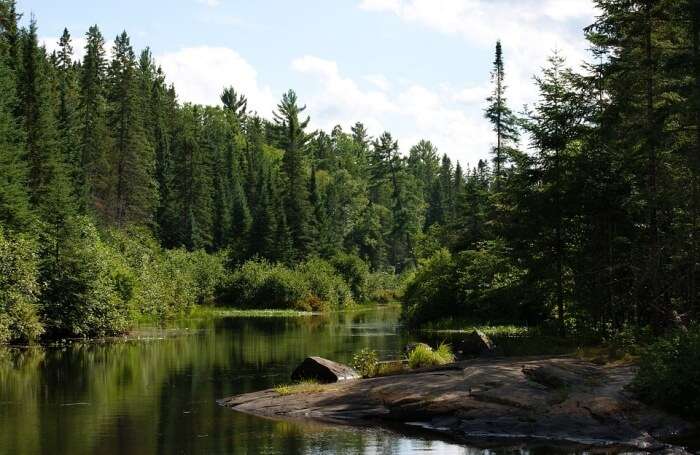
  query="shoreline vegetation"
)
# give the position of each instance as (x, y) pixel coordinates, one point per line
(119, 202)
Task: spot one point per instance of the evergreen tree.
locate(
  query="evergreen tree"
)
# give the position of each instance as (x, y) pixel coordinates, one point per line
(132, 162)
(294, 140)
(501, 117)
(95, 141)
(15, 211)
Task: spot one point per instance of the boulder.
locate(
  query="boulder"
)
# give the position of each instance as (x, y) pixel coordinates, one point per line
(474, 344)
(323, 370)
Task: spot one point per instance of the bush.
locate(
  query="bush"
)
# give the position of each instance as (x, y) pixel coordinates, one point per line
(478, 284)
(311, 286)
(383, 287)
(355, 272)
(88, 285)
(365, 362)
(167, 282)
(424, 356)
(669, 373)
(19, 290)
(325, 283)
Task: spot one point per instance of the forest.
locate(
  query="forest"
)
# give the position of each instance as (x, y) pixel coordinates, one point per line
(118, 201)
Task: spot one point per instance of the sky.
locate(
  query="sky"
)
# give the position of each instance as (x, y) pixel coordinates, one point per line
(417, 68)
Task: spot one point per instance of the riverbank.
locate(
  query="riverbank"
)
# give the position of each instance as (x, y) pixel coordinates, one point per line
(558, 400)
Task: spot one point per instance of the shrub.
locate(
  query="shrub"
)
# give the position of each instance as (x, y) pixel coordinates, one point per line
(311, 286)
(355, 272)
(19, 290)
(88, 285)
(478, 284)
(383, 287)
(365, 362)
(325, 283)
(424, 356)
(669, 373)
(167, 282)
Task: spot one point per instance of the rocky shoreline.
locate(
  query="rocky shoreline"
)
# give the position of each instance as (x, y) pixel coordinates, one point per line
(558, 400)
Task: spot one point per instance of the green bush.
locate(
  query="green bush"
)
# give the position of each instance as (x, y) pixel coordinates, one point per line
(325, 283)
(424, 356)
(365, 362)
(311, 286)
(88, 285)
(167, 282)
(19, 290)
(383, 287)
(669, 373)
(355, 272)
(478, 284)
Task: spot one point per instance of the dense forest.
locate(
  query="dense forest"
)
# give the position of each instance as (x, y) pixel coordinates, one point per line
(119, 201)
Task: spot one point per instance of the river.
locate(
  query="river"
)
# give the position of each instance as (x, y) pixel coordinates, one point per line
(155, 391)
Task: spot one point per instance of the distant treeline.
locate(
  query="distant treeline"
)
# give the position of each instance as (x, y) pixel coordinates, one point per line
(586, 218)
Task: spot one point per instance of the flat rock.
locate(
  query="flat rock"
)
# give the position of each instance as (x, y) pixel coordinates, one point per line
(324, 370)
(557, 400)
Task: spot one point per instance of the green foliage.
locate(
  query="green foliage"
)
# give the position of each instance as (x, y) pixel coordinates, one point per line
(19, 290)
(477, 284)
(365, 362)
(311, 286)
(669, 373)
(355, 272)
(424, 356)
(88, 286)
(167, 282)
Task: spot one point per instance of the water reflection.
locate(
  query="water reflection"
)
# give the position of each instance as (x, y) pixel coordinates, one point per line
(156, 394)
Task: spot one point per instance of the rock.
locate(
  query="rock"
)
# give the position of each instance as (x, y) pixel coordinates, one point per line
(558, 399)
(474, 344)
(323, 370)
(410, 347)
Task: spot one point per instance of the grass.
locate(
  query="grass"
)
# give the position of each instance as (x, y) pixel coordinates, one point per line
(424, 356)
(305, 386)
(390, 368)
(208, 311)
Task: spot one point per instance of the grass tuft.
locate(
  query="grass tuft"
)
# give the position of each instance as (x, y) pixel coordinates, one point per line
(305, 386)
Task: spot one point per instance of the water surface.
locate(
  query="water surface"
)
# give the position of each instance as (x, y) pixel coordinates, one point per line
(156, 392)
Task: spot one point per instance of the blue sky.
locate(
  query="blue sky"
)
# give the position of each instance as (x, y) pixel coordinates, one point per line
(418, 68)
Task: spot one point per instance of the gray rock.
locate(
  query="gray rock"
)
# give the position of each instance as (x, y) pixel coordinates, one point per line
(474, 344)
(323, 370)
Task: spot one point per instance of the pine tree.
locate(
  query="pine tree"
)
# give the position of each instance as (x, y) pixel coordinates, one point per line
(501, 117)
(49, 184)
(294, 140)
(67, 114)
(132, 163)
(95, 141)
(15, 211)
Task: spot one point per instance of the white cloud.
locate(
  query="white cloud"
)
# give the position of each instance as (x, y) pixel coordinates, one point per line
(201, 73)
(210, 3)
(378, 80)
(529, 30)
(78, 43)
(341, 100)
(410, 112)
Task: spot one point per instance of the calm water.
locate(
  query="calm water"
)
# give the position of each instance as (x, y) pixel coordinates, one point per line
(156, 394)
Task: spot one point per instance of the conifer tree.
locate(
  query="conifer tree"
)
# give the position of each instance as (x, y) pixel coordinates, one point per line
(501, 117)
(132, 162)
(67, 113)
(95, 141)
(49, 184)
(15, 211)
(294, 140)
